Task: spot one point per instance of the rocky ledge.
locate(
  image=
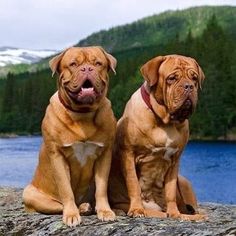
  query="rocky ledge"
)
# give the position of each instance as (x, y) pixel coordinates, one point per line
(15, 221)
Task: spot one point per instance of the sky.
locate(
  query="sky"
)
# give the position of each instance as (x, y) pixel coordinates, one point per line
(57, 24)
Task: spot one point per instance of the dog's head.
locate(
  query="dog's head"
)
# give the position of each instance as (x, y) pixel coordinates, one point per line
(83, 76)
(174, 82)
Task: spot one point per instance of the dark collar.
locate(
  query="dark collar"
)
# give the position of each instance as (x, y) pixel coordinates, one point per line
(69, 107)
(165, 119)
(160, 109)
(146, 97)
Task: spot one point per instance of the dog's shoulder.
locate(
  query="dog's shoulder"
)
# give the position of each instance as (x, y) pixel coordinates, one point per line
(105, 117)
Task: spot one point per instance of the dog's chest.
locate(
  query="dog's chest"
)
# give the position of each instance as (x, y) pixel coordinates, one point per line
(153, 166)
(156, 153)
(82, 151)
(166, 152)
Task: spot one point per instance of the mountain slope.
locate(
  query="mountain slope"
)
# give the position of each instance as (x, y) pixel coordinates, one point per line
(162, 28)
(24, 97)
(10, 55)
(155, 30)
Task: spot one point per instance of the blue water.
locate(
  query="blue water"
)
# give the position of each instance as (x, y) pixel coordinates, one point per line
(210, 166)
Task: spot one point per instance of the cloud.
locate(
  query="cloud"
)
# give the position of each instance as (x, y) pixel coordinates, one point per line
(56, 24)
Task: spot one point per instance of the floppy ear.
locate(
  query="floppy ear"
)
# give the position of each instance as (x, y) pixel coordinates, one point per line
(111, 60)
(55, 61)
(150, 69)
(201, 77)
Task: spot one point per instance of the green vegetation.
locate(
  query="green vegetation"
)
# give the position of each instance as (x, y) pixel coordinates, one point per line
(206, 33)
(14, 69)
(163, 28)
(21, 68)
(24, 100)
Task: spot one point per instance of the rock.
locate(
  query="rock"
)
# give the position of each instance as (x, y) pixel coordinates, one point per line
(15, 221)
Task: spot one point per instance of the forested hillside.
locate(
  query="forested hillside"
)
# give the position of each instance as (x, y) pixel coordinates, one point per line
(163, 28)
(211, 40)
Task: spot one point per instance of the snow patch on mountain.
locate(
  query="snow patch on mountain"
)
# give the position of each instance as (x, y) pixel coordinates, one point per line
(10, 55)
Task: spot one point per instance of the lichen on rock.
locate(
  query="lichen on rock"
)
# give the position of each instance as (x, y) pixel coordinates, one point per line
(15, 221)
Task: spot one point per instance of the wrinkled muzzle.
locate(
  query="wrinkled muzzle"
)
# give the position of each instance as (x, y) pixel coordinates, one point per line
(85, 86)
(86, 93)
(184, 102)
(184, 111)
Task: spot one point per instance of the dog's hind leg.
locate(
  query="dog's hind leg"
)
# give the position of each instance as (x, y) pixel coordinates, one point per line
(120, 209)
(187, 202)
(186, 198)
(36, 200)
(152, 209)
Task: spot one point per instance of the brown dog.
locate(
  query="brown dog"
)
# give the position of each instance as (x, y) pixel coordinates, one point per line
(78, 132)
(151, 136)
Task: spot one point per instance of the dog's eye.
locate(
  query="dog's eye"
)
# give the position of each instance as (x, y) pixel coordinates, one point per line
(98, 63)
(171, 79)
(73, 64)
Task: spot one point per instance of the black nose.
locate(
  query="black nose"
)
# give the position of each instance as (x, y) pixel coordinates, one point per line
(86, 68)
(188, 87)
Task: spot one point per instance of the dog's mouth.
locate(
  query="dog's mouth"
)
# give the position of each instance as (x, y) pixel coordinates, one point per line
(184, 112)
(87, 93)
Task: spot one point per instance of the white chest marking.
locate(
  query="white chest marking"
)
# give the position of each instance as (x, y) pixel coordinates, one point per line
(85, 150)
(168, 150)
(169, 153)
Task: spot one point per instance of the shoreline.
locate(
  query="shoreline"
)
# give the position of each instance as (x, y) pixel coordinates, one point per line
(230, 139)
(8, 135)
(15, 135)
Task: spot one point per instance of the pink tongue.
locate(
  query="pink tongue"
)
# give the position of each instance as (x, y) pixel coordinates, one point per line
(86, 91)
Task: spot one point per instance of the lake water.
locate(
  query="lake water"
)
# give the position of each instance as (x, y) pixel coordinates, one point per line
(210, 166)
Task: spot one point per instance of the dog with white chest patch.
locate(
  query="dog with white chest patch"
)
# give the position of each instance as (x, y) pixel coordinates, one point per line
(151, 135)
(78, 133)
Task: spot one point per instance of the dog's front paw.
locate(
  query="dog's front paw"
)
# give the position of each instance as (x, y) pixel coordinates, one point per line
(106, 215)
(71, 216)
(136, 212)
